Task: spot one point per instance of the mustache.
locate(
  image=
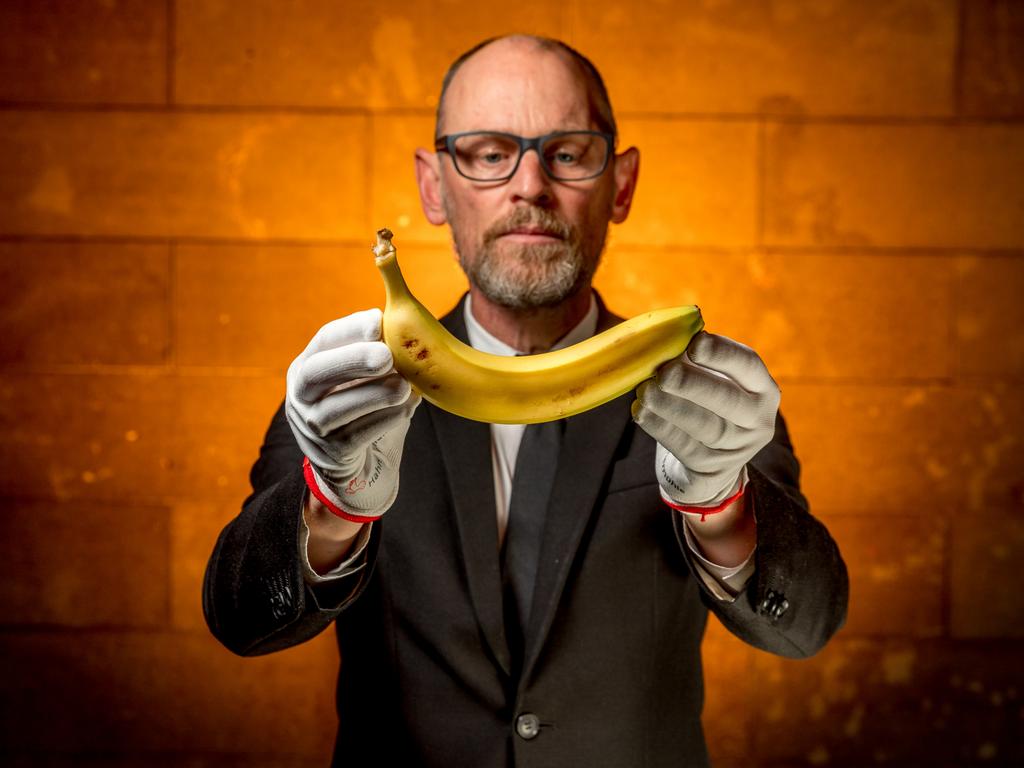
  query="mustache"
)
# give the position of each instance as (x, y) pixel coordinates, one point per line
(536, 218)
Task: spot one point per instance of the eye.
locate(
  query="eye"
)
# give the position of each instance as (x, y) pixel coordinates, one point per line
(492, 157)
(565, 153)
(486, 150)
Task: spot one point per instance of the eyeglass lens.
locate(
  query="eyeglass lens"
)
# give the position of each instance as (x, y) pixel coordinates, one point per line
(568, 156)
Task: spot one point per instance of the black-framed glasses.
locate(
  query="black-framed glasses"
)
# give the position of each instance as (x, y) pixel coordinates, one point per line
(495, 156)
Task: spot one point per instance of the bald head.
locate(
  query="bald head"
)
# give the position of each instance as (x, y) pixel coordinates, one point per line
(528, 45)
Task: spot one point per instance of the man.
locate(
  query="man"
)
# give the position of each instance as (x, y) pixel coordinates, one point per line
(556, 620)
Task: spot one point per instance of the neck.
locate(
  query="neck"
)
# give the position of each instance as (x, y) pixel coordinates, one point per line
(530, 330)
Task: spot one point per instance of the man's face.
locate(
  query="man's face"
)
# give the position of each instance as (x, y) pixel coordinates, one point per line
(528, 241)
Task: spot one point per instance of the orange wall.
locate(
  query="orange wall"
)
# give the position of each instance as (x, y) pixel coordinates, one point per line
(188, 190)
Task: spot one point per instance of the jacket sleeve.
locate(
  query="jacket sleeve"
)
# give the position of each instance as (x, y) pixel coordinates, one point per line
(797, 597)
(255, 598)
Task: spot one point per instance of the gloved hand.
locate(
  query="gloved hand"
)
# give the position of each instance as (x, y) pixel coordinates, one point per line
(710, 409)
(349, 411)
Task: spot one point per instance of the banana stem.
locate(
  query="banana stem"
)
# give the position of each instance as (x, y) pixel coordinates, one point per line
(386, 259)
(384, 245)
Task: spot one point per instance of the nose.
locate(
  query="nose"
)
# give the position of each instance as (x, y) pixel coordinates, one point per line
(530, 182)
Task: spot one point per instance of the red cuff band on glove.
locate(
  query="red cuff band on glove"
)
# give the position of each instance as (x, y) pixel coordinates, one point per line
(705, 511)
(307, 472)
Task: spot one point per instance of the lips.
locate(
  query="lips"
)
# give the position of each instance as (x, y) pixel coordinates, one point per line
(526, 226)
(533, 232)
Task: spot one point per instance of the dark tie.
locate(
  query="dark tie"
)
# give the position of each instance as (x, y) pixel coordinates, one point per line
(531, 489)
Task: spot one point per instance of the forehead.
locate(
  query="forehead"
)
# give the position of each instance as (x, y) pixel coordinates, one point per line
(517, 87)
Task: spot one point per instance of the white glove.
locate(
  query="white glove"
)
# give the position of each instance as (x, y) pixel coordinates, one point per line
(710, 409)
(349, 411)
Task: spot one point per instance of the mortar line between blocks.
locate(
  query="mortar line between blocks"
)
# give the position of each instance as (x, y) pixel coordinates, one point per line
(958, 59)
(172, 306)
(169, 43)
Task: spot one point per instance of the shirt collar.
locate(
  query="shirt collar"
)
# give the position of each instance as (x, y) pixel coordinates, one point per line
(480, 338)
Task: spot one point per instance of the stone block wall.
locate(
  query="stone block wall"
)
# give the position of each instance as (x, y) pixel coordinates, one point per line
(188, 190)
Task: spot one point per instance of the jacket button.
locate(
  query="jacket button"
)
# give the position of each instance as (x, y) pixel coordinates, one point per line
(773, 606)
(528, 726)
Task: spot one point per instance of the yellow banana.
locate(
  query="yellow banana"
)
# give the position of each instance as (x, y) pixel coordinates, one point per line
(531, 388)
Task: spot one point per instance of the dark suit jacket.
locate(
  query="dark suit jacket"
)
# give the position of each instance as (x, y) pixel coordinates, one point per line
(612, 665)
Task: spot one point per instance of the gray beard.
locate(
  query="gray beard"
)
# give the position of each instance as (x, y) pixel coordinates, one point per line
(541, 275)
(528, 276)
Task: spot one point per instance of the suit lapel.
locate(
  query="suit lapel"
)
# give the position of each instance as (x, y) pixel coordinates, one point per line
(466, 452)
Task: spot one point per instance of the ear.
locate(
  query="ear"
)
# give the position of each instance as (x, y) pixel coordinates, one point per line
(624, 172)
(428, 178)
